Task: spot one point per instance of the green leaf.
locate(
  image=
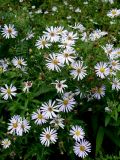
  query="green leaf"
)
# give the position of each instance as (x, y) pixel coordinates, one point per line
(107, 120)
(99, 139)
(43, 90)
(113, 137)
(94, 122)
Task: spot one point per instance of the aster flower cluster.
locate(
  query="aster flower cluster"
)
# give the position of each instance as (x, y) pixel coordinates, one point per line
(54, 75)
(82, 147)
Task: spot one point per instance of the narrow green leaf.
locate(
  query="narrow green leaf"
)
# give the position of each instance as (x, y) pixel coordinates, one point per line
(113, 137)
(99, 139)
(107, 120)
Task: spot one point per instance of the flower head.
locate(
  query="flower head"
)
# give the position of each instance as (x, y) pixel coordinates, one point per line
(60, 86)
(67, 102)
(42, 42)
(77, 133)
(38, 117)
(113, 13)
(79, 71)
(102, 70)
(57, 122)
(18, 125)
(5, 143)
(27, 86)
(99, 92)
(48, 136)
(52, 34)
(8, 92)
(53, 63)
(49, 109)
(9, 31)
(82, 148)
(19, 62)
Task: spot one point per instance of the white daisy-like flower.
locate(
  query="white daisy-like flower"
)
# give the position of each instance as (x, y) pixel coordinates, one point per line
(65, 43)
(14, 125)
(49, 109)
(27, 86)
(38, 117)
(42, 42)
(3, 68)
(4, 62)
(79, 71)
(24, 127)
(77, 133)
(67, 56)
(79, 27)
(58, 122)
(108, 48)
(53, 63)
(115, 65)
(60, 86)
(29, 35)
(115, 53)
(77, 10)
(5, 143)
(113, 13)
(9, 31)
(54, 8)
(60, 30)
(70, 36)
(102, 70)
(8, 92)
(96, 34)
(99, 92)
(115, 84)
(19, 62)
(82, 148)
(48, 136)
(18, 125)
(84, 37)
(67, 102)
(80, 92)
(52, 34)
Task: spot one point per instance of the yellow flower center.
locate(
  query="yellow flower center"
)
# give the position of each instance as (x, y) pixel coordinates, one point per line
(99, 90)
(77, 133)
(82, 148)
(6, 142)
(65, 102)
(8, 91)
(113, 12)
(102, 70)
(15, 125)
(48, 136)
(19, 62)
(40, 116)
(55, 61)
(43, 42)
